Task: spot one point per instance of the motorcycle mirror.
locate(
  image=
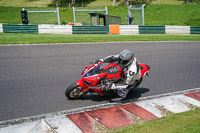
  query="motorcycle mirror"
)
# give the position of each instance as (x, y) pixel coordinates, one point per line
(147, 74)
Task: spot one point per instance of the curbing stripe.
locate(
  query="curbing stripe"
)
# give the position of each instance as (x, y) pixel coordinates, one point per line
(90, 108)
(187, 99)
(194, 95)
(170, 103)
(61, 124)
(19, 128)
(84, 121)
(151, 107)
(139, 111)
(112, 117)
(55, 122)
(154, 108)
(41, 127)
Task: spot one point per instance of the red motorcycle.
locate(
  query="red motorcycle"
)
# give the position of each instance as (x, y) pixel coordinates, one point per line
(94, 75)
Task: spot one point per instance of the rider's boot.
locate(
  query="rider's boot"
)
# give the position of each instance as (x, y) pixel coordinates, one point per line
(122, 92)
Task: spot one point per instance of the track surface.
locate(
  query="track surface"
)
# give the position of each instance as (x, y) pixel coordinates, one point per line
(33, 78)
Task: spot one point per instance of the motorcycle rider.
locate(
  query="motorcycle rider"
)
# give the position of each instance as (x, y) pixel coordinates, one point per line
(130, 67)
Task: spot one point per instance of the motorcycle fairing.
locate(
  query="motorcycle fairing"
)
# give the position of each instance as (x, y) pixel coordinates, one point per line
(144, 68)
(113, 71)
(93, 74)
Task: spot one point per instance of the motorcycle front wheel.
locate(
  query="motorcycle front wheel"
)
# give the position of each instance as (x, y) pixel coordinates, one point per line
(74, 91)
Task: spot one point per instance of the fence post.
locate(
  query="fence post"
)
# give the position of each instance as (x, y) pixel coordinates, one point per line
(58, 15)
(74, 16)
(106, 10)
(143, 14)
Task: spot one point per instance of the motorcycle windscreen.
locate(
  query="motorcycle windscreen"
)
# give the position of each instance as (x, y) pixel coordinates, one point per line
(93, 71)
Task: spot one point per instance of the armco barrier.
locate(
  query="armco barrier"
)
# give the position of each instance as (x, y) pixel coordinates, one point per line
(151, 29)
(55, 29)
(195, 30)
(20, 28)
(128, 29)
(89, 29)
(1, 28)
(114, 29)
(177, 29)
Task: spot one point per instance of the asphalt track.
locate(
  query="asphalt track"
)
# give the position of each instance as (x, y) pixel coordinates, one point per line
(33, 78)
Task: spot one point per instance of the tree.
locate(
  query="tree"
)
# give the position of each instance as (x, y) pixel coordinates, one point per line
(196, 1)
(66, 3)
(114, 2)
(126, 2)
(191, 1)
(73, 2)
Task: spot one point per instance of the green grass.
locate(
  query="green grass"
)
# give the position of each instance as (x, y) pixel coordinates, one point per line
(10, 15)
(168, 2)
(25, 3)
(187, 122)
(154, 14)
(13, 38)
(100, 3)
(172, 15)
(95, 3)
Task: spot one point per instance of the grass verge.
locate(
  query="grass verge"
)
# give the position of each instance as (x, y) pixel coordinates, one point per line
(18, 38)
(187, 122)
(154, 14)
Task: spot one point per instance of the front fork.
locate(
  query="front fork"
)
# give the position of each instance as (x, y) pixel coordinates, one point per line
(86, 89)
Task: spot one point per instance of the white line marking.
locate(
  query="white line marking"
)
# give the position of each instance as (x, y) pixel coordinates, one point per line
(96, 43)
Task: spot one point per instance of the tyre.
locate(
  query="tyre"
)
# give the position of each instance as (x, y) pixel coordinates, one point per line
(74, 91)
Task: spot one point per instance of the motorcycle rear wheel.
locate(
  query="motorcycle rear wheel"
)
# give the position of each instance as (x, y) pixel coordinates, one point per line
(74, 91)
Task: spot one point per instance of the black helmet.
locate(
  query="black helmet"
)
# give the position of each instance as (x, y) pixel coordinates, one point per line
(126, 57)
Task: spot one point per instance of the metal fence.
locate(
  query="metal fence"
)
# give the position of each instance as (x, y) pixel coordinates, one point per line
(43, 16)
(137, 13)
(82, 17)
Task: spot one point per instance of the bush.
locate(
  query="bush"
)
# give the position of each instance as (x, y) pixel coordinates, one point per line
(135, 2)
(191, 1)
(68, 3)
(31, 0)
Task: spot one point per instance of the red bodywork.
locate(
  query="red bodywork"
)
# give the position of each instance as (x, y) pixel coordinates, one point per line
(94, 73)
(144, 68)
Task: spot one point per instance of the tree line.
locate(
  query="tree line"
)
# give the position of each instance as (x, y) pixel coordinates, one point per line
(70, 3)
